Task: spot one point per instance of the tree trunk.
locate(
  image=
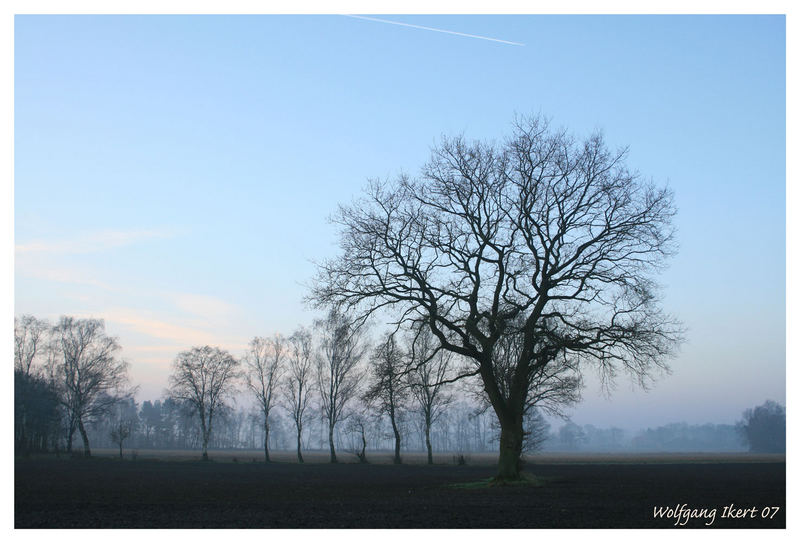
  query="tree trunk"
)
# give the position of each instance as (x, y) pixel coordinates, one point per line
(86, 452)
(120, 449)
(266, 440)
(23, 437)
(206, 428)
(205, 445)
(299, 455)
(509, 463)
(428, 438)
(330, 442)
(397, 459)
(363, 456)
(70, 434)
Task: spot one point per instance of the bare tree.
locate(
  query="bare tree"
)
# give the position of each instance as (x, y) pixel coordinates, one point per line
(203, 377)
(124, 421)
(297, 386)
(537, 430)
(542, 229)
(338, 372)
(264, 363)
(30, 339)
(430, 368)
(86, 372)
(551, 387)
(389, 388)
(357, 426)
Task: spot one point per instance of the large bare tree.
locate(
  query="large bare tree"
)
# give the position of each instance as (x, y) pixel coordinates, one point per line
(203, 377)
(297, 386)
(86, 371)
(388, 390)
(542, 229)
(264, 363)
(341, 348)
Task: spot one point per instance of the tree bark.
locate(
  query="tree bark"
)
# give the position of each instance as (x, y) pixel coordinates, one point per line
(397, 459)
(266, 441)
(205, 445)
(299, 454)
(206, 428)
(509, 463)
(70, 434)
(86, 452)
(330, 442)
(428, 438)
(363, 456)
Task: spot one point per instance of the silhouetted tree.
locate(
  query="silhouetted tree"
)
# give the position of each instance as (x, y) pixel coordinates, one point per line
(554, 234)
(763, 428)
(429, 372)
(388, 390)
(338, 372)
(356, 428)
(571, 436)
(36, 413)
(30, 340)
(86, 371)
(151, 419)
(203, 377)
(297, 387)
(264, 364)
(537, 430)
(124, 421)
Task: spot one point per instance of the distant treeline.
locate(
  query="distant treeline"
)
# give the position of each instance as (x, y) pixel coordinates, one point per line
(70, 387)
(167, 425)
(674, 437)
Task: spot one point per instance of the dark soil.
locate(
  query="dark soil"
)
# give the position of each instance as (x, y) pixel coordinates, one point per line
(103, 493)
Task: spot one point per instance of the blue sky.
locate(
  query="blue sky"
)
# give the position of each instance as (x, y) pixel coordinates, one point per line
(173, 174)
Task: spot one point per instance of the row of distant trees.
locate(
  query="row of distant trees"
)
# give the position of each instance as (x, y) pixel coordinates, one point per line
(69, 379)
(462, 428)
(66, 378)
(331, 369)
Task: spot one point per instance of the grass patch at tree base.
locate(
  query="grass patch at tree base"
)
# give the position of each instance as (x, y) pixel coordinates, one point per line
(525, 479)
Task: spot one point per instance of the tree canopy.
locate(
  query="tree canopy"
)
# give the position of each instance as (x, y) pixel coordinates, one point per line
(541, 236)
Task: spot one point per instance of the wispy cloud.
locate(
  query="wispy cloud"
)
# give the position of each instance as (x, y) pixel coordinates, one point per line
(175, 334)
(92, 242)
(27, 265)
(420, 27)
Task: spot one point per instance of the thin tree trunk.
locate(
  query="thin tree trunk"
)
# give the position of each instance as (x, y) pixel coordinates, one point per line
(86, 452)
(120, 449)
(299, 454)
(266, 440)
(428, 437)
(70, 434)
(330, 442)
(363, 456)
(205, 446)
(397, 459)
(206, 434)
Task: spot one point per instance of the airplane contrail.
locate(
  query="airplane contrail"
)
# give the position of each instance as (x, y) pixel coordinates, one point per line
(436, 30)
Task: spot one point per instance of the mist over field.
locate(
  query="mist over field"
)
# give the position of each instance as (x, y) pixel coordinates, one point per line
(341, 270)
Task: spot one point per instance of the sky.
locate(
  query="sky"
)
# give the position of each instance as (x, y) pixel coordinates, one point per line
(174, 174)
